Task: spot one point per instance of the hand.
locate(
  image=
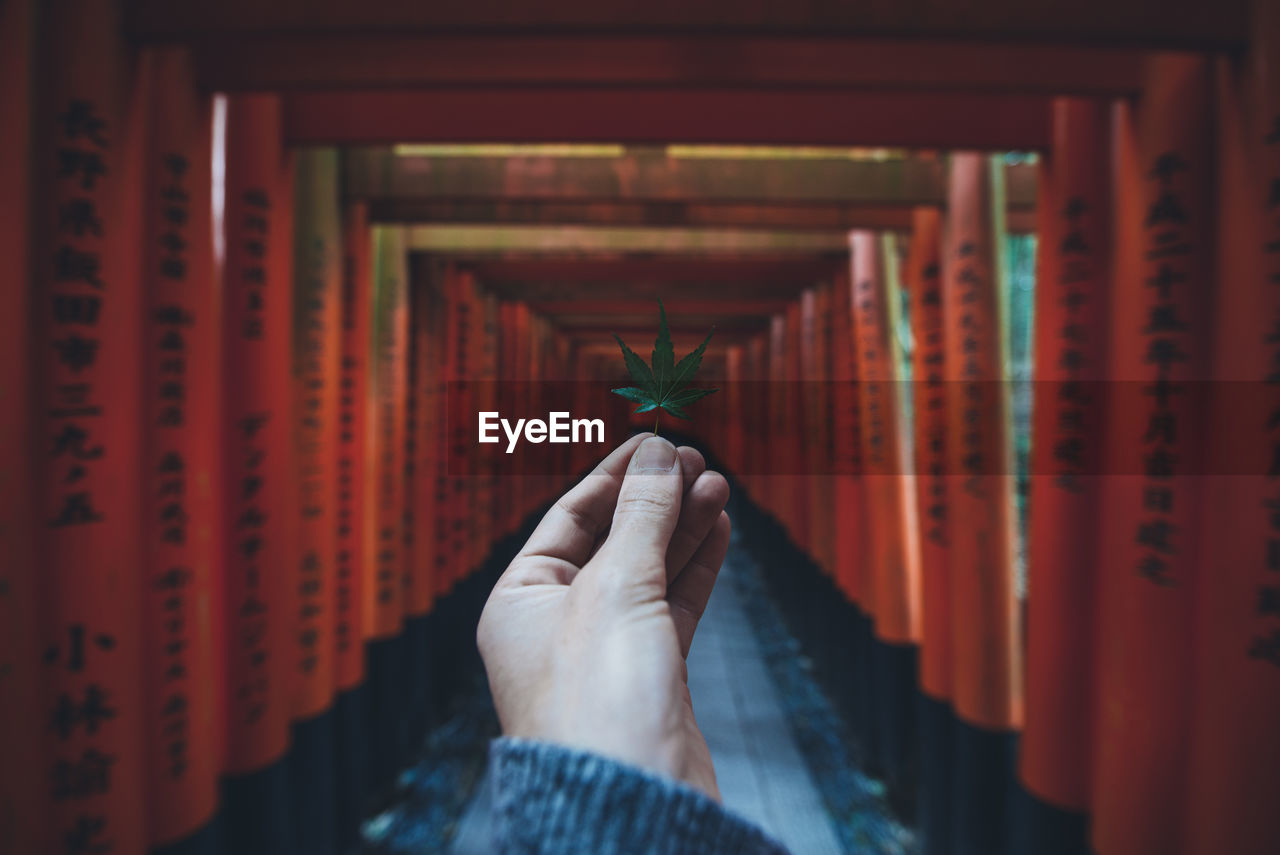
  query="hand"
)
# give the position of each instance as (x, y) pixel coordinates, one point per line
(585, 635)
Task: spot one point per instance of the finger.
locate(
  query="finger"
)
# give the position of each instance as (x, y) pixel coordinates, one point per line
(699, 509)
(692, 465)
(689, 593)
(648, 509)
(570, 528)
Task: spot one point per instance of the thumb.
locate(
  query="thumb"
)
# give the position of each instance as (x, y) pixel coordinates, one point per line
(648, 504)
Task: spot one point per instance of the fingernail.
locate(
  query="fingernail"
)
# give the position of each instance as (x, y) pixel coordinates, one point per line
(655, 454)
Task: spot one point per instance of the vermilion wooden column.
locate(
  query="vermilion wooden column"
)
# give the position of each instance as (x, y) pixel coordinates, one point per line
(24, 823)
(780, 461)
(815, 306)
(485, 531)
(735, 415)
(352, 517)
(986, 645)
(428, 332)
(459, 359)
(889, 478)
(796, 507)
(384, 585)
(758, 413)
(384, 601)
(86, 443)
(849, 499)
(258, 514)
(853, 546)
(890, 490)
(446, 514)
(541, 369)
(426, 325)
(515, 349)
(317, 369)
(181, 510)
(1073, 281)
(1151, 506)
(1235, 754)
(923, 276)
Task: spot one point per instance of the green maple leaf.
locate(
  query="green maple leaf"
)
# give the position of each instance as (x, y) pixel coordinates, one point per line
(662, 387)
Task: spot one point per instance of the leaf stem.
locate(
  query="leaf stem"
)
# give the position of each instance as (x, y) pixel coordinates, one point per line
(656, 416)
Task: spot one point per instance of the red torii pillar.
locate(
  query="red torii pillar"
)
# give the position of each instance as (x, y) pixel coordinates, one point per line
(86, 408)
(317, 367)
(185, 553)
(890, 491)
(1152, 504)
(986, 647)
(1234, 766)
(352, 516)
(384, 533)
(24, 822)
(923, 276)
(259, 501)
(1072, 328)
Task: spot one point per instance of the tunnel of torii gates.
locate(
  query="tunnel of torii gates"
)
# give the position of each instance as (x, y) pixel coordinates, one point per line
(242, 546)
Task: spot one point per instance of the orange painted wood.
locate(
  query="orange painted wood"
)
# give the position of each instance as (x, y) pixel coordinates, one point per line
(317, 371)
(889, 484)
(259, 510)
(778, 458)
(758, 410)
(24, 823)
(986, 645)
(1158, 351)
(657, 116)
(816, 318)
(923, 277)
(384, 535)
(735, 422)
(354, 410)
(521, 375)
(795, 478)
(1235, 754)
(507, 399)
(421, 61)
(849, 502)
(86, 404)
(1146, 23)
(460, 356)
(180, 468)
(427, 331)
(484, 533)
(443, 558)
(1072, 326)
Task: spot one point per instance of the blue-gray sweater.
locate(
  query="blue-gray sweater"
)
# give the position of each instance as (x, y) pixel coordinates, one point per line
(551, 800)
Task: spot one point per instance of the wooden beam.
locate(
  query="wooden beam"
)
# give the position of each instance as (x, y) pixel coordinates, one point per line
(646, 187)
(593, 241)
(646, 323)
(887, 118)
(650, 173)
(360, 61)
(678, 307)
(1162, 23)
(688, 215)
(642, 279)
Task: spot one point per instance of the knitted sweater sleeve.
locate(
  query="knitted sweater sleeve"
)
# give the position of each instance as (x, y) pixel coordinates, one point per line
(551, 800)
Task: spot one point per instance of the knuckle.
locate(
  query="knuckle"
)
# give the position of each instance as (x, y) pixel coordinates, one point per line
(645, 501)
